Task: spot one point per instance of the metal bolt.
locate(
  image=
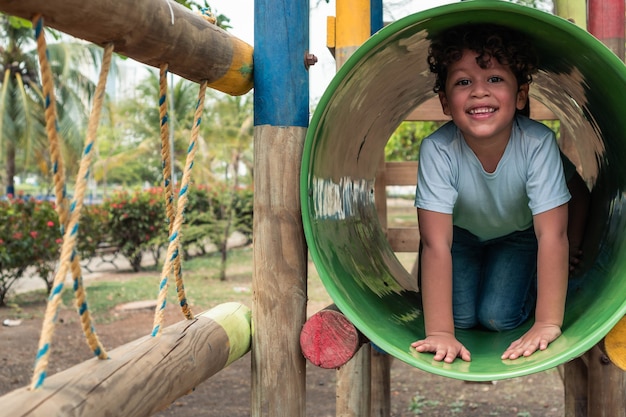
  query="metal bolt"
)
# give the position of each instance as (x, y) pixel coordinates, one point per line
(309, 60)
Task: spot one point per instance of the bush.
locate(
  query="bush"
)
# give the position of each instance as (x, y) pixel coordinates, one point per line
(94, 230)
(137, 222)
(133, 222)
(29, 237)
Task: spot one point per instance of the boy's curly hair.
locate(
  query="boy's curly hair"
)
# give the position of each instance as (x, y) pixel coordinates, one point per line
(506, 45)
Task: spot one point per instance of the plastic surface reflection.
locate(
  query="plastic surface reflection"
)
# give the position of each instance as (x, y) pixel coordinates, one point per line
(580, 80)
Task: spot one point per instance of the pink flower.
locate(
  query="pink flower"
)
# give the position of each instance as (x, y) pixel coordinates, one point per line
(33, 234)
(50, 223)
(59, 240)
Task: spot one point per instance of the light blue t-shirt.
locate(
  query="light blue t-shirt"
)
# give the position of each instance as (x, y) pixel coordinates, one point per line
(527, 181)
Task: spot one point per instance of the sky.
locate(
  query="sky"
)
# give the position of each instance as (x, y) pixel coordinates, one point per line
(241, 14)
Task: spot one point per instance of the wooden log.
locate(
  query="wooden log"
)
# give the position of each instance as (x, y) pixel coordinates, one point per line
(144, 376)
(152, 32)
(329, 340)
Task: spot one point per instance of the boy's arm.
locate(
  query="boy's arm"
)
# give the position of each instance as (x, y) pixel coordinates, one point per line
(552, 274)
(436, 288)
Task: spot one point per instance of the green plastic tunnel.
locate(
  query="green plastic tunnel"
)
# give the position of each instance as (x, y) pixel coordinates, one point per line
(580, 80)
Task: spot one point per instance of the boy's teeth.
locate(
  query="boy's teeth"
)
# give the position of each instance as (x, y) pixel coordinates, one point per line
(482, 110)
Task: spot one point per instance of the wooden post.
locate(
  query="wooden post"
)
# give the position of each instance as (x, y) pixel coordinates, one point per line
(606, 382)
(573, 10)
(281, 116)
(353, 385)
(152, 32)
(381, 383)
(606, 22)
(606, 386)
(574, 375)
(144, 376)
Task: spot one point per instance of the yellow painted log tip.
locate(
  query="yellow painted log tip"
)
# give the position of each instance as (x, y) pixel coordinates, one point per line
(615, 344)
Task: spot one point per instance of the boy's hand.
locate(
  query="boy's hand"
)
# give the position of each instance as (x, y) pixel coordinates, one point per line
(537, 338)
(445, 347)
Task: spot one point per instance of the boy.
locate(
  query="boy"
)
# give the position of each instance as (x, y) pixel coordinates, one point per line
(491, 199)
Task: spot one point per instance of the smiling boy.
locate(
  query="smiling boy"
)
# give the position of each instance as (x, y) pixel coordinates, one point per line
(491, 199)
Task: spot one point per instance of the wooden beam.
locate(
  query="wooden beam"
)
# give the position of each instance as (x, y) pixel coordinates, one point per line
(401, 173)
(405, 239)
(152, 32)
(142, 377)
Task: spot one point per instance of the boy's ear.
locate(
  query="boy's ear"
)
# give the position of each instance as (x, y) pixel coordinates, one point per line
(444, 103)
(522, 96)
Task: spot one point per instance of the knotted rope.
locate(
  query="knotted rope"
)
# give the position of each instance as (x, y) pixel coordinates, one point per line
(68, 218)
(174, 238)
(170, 209)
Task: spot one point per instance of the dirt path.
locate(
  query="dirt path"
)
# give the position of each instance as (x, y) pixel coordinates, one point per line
(413, 392)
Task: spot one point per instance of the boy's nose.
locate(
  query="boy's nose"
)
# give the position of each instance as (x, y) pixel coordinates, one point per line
(480, 88)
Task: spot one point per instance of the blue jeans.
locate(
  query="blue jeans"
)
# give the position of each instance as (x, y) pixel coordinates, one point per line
(495, 281)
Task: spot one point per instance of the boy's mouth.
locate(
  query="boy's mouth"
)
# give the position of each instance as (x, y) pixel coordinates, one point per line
(482, 110)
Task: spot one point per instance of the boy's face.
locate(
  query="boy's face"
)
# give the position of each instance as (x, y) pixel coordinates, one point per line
(482, 102)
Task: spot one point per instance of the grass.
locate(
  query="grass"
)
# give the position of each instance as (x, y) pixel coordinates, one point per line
(203, 288)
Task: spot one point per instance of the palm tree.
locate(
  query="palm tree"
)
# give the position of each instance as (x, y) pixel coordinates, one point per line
(22, 131)
(18, 96)
(132, 153)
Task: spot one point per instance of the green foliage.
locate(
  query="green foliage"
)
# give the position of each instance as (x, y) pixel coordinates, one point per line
(133, 222)
(214, 212)
(243, 211)
(30, 236)
(405, 142)
(93, 230)
(222, 21)
(136, 222)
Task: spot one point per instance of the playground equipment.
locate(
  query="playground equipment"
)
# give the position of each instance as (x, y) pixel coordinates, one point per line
(371, 95)
(377, 87)
(144, 376)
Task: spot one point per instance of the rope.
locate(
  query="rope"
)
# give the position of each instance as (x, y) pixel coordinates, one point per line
(172, 250)
(67, 219)
(207, 15)
(170, 210)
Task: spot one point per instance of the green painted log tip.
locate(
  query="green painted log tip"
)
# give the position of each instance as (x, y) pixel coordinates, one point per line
(236, 320)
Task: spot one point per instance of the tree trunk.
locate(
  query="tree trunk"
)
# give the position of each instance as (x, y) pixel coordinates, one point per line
(10, 169)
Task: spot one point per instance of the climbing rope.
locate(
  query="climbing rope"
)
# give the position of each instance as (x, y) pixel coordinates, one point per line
(170, 209)
(174, 237)
(207, 15)
(68, 216)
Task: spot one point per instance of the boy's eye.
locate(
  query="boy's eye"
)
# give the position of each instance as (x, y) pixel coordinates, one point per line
(495, 79)
(463, 82)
